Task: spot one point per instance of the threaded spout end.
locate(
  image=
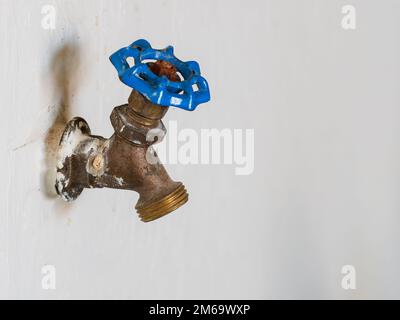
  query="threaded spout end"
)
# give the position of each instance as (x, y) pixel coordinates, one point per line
(163, 206)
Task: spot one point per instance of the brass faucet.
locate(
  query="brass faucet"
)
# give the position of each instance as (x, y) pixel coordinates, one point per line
(122, 161)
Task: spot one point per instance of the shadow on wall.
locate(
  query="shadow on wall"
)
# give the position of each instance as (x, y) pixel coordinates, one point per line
(64, 75)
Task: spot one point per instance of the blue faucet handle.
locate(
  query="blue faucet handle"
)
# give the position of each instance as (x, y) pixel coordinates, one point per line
(186, 94)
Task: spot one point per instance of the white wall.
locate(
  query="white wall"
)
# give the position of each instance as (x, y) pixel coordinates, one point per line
(324, 103)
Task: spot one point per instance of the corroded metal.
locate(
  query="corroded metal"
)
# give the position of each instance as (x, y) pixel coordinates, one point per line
(122, 161)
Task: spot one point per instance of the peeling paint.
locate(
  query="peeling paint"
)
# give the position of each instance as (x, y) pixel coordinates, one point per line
(68, 145)
(119, 180)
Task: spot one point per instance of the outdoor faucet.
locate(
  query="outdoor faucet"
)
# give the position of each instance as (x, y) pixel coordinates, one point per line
(127, 160)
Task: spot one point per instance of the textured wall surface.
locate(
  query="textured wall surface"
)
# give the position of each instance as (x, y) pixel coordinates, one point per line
(324, 104)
